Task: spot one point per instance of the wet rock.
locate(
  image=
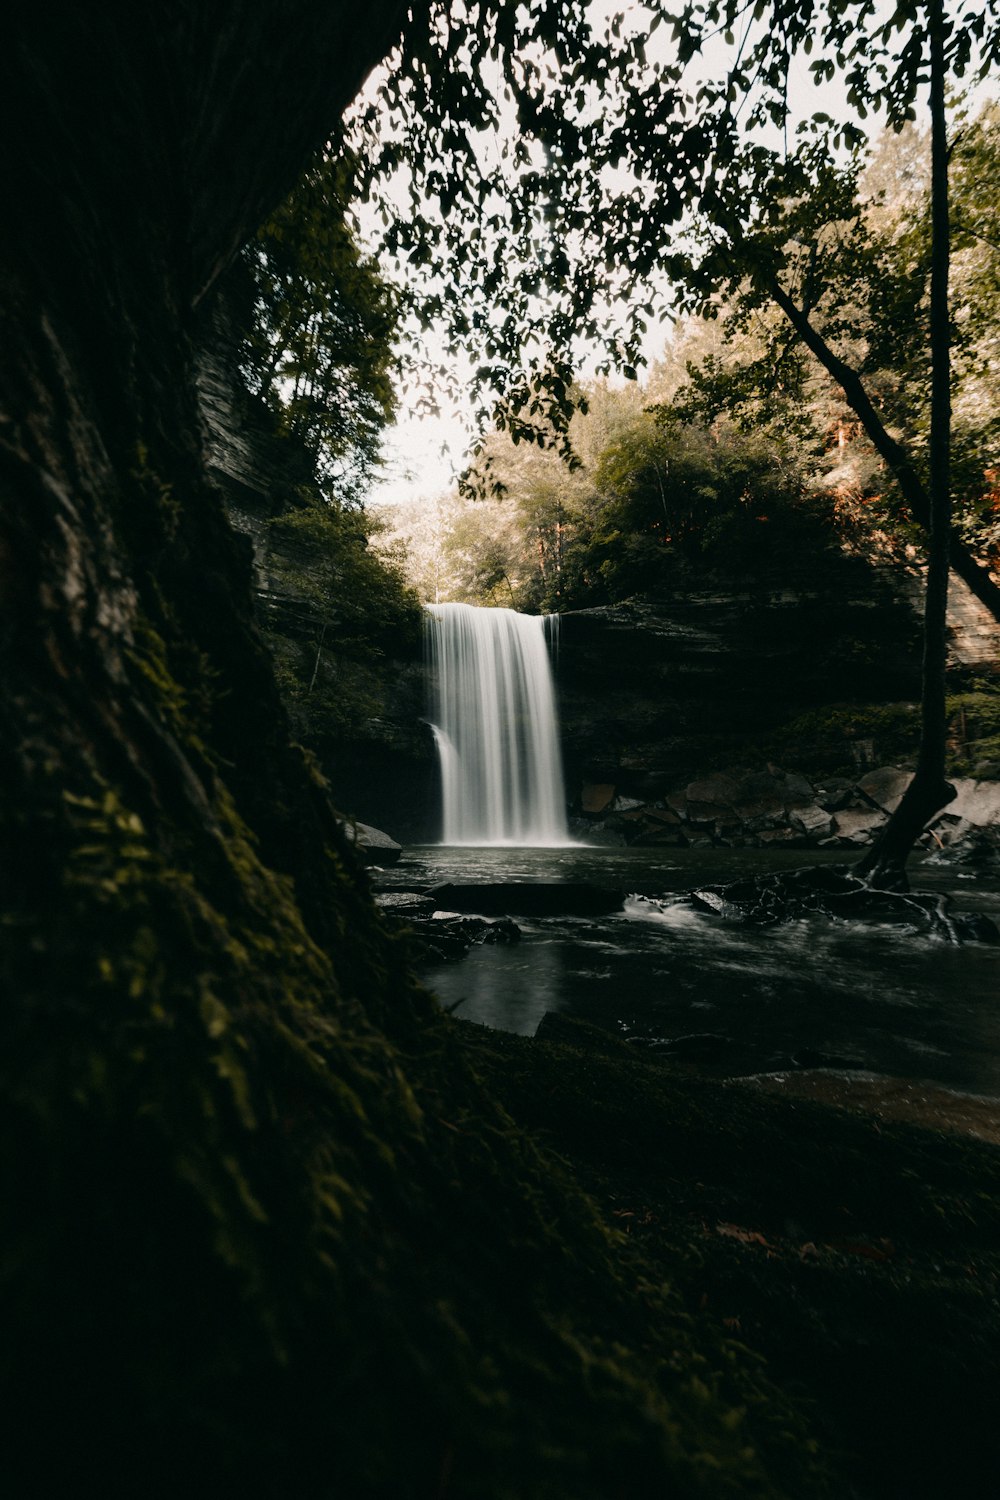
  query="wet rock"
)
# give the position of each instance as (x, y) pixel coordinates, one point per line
(596, 798)
(738, 902)
(855, 826)
(975, 927)
(405, 903)
(834, 793)
(449, 937)
(529, 898)
(885, 787)
(376, 847)
(975, 851)
(833, 892)
(814, 821)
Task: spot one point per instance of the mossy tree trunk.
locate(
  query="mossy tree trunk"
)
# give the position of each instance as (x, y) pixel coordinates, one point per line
(264, 1232)
(138, 157)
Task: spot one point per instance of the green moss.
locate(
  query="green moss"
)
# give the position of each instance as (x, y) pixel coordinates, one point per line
(824, 738)
(244, 1208)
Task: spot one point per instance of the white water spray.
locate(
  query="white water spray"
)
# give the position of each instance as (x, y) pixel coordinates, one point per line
(494, 719)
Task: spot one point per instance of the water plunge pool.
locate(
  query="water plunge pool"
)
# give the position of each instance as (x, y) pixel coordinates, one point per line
(873, 999)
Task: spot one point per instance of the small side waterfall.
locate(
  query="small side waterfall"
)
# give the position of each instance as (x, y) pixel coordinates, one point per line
(494, 720)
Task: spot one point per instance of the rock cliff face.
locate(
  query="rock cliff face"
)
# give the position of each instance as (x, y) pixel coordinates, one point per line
(655, 692)
(710, 684)
(380, 763)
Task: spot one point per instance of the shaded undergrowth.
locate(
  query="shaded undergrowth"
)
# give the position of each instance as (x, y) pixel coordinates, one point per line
(858, 1258)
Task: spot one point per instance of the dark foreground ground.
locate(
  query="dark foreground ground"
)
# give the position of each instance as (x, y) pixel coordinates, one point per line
(859, 1258)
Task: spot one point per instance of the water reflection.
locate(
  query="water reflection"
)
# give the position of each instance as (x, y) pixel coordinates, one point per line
(509, 989)
(875, 998)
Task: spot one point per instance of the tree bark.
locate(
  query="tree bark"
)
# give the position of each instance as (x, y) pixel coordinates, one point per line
(912, 488)
(138, 157)
(929, 789)
(187, 940)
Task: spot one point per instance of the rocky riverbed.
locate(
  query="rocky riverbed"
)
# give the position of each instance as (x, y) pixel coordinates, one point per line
(773, 808)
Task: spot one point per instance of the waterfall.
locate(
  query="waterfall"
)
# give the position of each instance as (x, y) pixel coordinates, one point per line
(494, 720)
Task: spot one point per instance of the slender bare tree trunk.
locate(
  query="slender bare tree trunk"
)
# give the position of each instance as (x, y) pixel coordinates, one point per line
(929, 790)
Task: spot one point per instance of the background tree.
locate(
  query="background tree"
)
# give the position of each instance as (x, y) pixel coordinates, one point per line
(319, 349)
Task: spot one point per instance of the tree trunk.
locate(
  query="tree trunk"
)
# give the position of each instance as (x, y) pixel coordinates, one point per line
(929, 790)
(176, 890)
(265, 1232)
(914, 492)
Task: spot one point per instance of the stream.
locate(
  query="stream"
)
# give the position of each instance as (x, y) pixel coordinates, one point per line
(855, 1001)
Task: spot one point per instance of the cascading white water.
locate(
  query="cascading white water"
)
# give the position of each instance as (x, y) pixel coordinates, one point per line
(494, 719)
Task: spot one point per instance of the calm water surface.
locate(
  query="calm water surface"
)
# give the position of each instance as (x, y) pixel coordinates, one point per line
(874, 998)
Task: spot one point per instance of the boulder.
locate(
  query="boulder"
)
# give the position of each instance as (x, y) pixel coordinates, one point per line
(814, 821)
(763, 799)
(710, 801)
(596, 798)
(977, 801)
(664, 815)
(376, 847)
(719, 790)
(885, 787)
(835, 793)
(858, 825)
(795, 789)
(529, 898)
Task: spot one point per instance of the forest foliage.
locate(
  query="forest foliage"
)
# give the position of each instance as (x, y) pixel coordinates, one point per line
(318, 356)
(264, 1210)
(319, 346)
(739, 452)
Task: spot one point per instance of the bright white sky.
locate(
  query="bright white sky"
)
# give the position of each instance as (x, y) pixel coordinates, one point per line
(424, 453)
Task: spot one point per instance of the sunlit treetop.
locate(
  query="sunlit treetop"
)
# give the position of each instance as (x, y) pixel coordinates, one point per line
(536, 167)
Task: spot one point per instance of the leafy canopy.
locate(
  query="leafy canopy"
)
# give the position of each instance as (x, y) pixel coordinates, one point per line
(535, 165)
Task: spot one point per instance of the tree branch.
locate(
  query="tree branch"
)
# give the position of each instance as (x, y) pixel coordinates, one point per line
(895, 455)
